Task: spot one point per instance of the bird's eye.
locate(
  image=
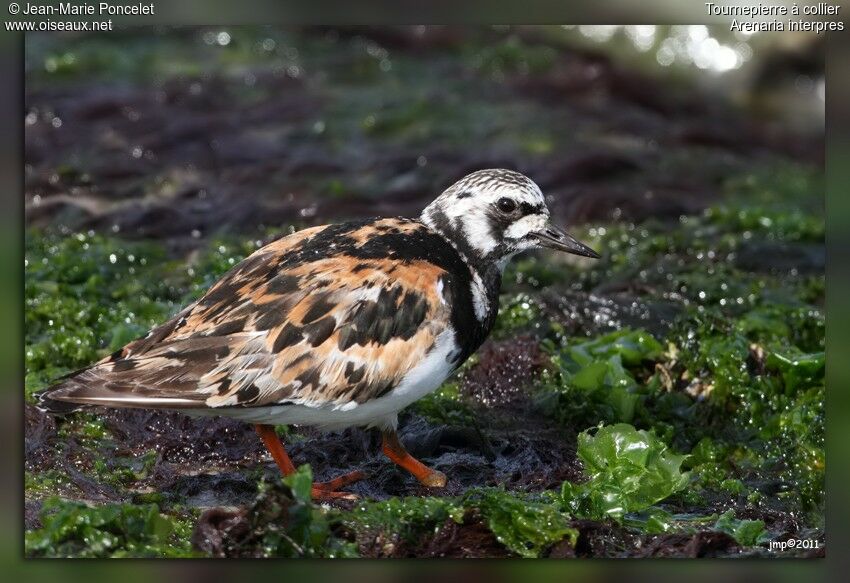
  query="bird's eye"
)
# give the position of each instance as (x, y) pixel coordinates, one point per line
(506, 205)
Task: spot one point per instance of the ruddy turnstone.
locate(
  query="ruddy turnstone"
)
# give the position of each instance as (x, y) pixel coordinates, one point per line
(337, 325)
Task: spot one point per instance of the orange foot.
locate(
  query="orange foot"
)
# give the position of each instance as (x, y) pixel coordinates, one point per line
(394, 450)
(320, 490)
(329, 490)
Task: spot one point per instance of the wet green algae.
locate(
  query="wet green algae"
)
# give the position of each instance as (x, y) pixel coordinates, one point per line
(74, 529)
(725, 409)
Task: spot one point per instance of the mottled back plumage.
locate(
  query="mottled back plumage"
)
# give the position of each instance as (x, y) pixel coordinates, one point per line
(331, 315)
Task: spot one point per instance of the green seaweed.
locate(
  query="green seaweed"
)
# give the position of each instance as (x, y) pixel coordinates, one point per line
(524, 526)
(88, 294)
(285, 522)
(406, 519)
(515, 314)
(629, 470)
(593, 380)
(746, 533)
(73, 529)
(446, 406)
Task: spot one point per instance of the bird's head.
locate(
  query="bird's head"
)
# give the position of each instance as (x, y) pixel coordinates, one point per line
(491, 215)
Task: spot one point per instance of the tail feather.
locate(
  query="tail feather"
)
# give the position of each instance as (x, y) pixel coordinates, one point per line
(51, 400)
(54, 406)
(90, 387)
(166, 376)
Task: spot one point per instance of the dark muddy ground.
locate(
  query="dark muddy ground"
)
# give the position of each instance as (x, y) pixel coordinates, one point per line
(153, 159)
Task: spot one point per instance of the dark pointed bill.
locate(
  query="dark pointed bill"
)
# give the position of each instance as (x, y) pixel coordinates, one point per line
(556, 238)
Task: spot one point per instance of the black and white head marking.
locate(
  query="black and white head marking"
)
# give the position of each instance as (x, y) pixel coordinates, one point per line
(489, 215)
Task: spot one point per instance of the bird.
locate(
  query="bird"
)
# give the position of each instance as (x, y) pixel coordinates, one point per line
(337, 325)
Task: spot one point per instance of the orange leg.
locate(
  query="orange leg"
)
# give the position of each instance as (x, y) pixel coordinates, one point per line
(321, 490)
(394, 450)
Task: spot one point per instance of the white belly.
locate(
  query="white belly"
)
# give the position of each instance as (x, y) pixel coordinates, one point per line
(424, 378)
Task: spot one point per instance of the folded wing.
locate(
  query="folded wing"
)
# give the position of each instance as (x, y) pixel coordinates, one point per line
(296, 322)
